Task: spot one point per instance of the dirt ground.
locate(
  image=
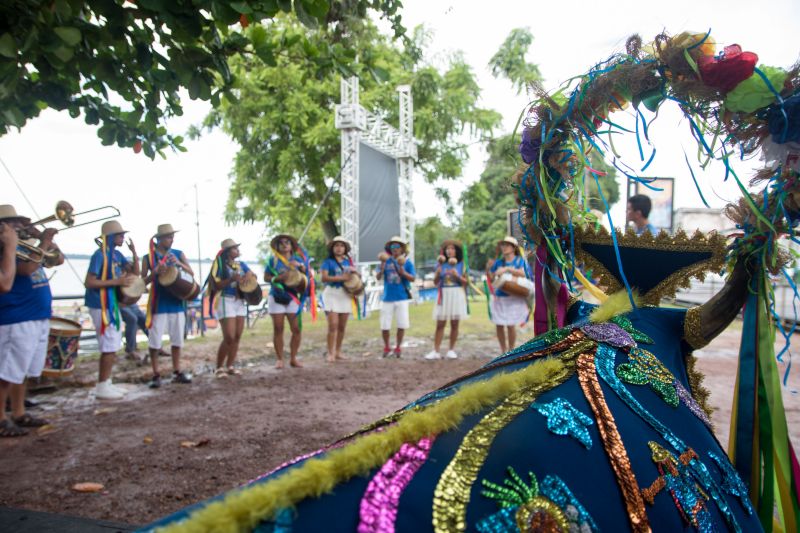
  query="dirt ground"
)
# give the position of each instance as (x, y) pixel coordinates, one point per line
(245, 426)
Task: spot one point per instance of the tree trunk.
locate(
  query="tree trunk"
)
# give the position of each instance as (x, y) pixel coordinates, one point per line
(329, 228)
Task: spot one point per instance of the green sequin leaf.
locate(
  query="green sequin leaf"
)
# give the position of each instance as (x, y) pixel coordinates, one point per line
(626, 324)
(630, 374)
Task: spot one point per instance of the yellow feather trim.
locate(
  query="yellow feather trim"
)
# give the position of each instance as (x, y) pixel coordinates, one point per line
(616, 304)
(243, 509)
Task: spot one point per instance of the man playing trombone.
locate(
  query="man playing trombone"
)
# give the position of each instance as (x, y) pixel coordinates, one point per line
(8, 257)
(25, 312)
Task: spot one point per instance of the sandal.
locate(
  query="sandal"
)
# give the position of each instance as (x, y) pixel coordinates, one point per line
(234, 371)
(220, 373)
(9, 429)
(28, 421)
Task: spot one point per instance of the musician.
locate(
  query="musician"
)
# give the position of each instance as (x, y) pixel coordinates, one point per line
(284, 302)
(107, 271)
(451, 279)
(226, 273)
(25, 312)
(337, 269)
(508, 310)
(8, 258)
(397, 273)
(166, 312)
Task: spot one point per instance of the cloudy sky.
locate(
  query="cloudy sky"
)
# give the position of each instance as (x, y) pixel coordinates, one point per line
(55, 157)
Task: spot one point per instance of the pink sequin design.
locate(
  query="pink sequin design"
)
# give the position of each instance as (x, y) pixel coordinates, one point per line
(379, 504)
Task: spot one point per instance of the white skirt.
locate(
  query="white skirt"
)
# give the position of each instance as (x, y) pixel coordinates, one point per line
(453, 305)
(336, 300)
(509, 310)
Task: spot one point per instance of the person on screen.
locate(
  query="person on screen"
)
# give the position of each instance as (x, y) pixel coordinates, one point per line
(639, 206)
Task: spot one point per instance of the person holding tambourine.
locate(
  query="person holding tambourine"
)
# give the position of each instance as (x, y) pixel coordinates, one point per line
(508, 310)
(451, 302)
(227, 273)
(337, 269)
(285, 271)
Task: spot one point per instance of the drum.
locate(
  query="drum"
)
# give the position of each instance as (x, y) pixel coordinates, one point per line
(179, 283)
(250, 289)
(514, 285)
(62, 347)
(354, 285)
(294, 280)
(130, 295)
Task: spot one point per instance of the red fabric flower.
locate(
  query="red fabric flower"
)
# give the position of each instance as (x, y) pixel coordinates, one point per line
(728, 70)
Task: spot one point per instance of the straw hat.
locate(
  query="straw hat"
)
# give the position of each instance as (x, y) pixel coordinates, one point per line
(228, 243)
(164, 230)
(459, 248)
(274, 242)
(512, 241)
(398, 240)
(7, 212)
(339, 238)
(111, 227)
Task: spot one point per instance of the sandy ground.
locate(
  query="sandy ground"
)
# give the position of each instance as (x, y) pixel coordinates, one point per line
(245, 425)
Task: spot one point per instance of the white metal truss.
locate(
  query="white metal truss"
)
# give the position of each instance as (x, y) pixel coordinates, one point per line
(359, 125)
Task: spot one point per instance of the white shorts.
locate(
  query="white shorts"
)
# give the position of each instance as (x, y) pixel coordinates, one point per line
(230, 307)
(336, 300)
(111, 339)
(23, 348)
(170, 323)
(453, 305)
(279, 309)
(390, 309)
(509, 310)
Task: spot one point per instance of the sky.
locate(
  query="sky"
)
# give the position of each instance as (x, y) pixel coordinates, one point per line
(55, 157)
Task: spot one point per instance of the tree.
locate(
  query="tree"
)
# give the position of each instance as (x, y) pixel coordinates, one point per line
(123, 63)
(283, 120)
(509, 61)
(428, 237)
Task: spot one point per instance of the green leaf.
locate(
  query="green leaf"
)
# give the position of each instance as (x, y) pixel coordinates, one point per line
(380, 74)
(71, 36)
(62, 8)
(264, 52)
(304, 17)
(258, 35)
(14, 117)
(8, 47)
(242, 7)
(63, 53)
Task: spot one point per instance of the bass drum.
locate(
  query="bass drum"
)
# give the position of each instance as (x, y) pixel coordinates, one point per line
(130, 295)
(179, 283)
(514, 285)
(62, 347)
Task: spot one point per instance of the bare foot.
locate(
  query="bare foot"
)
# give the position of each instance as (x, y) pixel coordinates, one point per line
(295, 363)
(330, 358)
(279, 364)
(340, 357)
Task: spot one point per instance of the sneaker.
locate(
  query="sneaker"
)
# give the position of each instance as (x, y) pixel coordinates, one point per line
(451, 354)
(180, 377)
(433, 354)
(397, 352)
(105, 391)
(114, 387)
(386, 351)
(155, 382)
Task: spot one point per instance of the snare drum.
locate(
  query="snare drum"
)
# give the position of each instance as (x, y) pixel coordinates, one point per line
(514, 285)
(62, 347)
(130, 295)
(354, 284)
(179, 283)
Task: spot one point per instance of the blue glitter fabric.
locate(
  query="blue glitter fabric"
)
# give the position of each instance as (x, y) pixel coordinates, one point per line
(564, 419)
(731, 482)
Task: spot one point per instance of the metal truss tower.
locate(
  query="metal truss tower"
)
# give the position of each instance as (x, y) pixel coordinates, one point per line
(359, 125)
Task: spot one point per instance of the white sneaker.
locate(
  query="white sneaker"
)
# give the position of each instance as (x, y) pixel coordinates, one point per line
(451, 354)
(115, 388)
(433, 354)
(106, 391)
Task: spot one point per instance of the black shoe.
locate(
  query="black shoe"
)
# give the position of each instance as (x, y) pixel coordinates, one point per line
(180, 377)
(155, 382)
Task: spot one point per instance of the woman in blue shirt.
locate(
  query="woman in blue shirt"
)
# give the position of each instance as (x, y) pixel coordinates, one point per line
(337, 269)
(227, 272)
(508, 310)
(283, 302)
(451, 303)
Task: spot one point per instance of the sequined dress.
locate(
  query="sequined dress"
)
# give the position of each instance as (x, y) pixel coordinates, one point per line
(592, 427)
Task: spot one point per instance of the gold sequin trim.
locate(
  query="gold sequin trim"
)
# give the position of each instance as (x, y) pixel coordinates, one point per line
(680, 242)
(612, 442)
(698, 391)
(692, 332)
(451, 496)
(541, 514)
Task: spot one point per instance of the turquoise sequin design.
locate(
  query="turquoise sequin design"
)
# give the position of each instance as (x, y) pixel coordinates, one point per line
(732, 483)
(564, 419)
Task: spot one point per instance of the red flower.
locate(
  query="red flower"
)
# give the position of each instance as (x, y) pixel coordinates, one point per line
(728, 70)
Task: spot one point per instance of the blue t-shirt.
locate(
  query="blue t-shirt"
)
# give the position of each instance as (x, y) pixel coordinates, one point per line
(648, 227)
(395, 288)
(332, 268)
(275, 266)
(165, 301)
(517, 262)
(230, 290)
(28, 299)
(449, 281)
(116, 262)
